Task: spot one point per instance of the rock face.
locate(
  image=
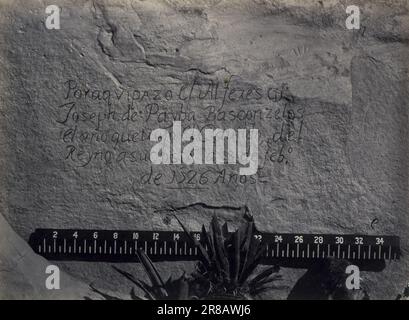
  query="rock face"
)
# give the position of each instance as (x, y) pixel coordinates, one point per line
(23, 276)
(326, 281)
(78, 105)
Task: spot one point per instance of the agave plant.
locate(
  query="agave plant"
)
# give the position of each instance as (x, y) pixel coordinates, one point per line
(172, 289)
(226, 268)
(228, 262)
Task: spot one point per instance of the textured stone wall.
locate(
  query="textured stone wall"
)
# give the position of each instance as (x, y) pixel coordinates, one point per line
(78, 104)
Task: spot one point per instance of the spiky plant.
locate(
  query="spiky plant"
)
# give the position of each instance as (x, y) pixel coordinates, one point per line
(172, 289)
(228, 261)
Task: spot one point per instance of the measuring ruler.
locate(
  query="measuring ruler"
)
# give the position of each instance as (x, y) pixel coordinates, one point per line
(121, 246)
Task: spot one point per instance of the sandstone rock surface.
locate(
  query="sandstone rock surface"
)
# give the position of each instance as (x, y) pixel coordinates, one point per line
(339, 163)
(22, 272)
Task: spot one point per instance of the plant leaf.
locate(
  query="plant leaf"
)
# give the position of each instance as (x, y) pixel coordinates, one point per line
(157, 282)
(225, 231)
(266, 281)
(219, 245)
(149, 291)
(216, 263)
(103, 294)
(247, 241)
(134, 296)
(208, 240)
(263, 275)
(201, 249)
(253, 259)
(267, 288)
(236, 256)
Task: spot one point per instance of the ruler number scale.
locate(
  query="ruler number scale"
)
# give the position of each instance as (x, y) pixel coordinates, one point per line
(115, 245)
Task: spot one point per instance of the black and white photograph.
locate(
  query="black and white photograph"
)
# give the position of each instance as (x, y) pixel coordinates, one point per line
(213, 152)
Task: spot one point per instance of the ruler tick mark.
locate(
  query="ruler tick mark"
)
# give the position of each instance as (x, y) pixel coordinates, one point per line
(277, 246)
